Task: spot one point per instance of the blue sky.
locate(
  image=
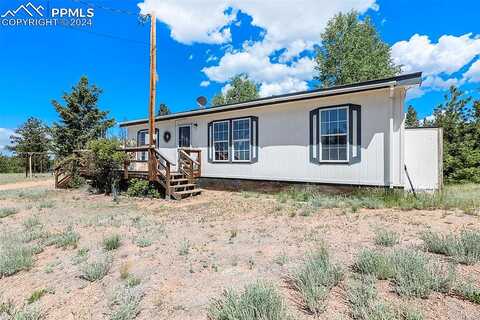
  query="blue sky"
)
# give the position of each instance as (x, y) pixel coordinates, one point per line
(201, 44)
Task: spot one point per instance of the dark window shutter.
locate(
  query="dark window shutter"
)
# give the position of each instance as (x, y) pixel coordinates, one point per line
(355, 133)
(210, 142)
(314, 140)
(254, 140)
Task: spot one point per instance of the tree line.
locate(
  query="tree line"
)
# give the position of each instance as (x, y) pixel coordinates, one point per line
(351, 51)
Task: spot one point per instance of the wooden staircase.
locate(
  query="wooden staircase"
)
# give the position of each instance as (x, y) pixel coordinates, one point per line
(178, 184)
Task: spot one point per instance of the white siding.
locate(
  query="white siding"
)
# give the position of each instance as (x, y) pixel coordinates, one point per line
(283, 152)
(423, 158)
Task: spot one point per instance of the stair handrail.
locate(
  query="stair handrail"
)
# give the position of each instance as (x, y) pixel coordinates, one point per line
(189, 166)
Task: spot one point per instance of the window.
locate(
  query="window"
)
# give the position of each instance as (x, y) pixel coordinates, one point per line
(233, 140)
(142, 140)
(241, 139)
(221, 141)
(334, 134)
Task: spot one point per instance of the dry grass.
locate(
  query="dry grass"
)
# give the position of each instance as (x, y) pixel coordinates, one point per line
(74, 254)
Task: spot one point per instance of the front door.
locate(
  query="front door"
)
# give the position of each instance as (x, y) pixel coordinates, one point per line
(184, 135)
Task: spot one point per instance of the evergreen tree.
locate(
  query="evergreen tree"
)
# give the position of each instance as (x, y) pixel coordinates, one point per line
(81, 120)
(461, 136)
(241, 89)
(352, 51)
(32, 136)
(411, 120)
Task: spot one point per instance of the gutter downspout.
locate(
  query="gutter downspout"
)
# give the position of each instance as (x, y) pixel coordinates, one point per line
(390, 138)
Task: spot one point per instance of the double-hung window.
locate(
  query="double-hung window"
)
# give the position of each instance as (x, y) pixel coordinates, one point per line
(221, 130)
(233, 140)
(335, 135)
(241, 139)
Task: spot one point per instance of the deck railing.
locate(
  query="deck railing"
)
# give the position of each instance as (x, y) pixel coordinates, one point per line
(190, 163)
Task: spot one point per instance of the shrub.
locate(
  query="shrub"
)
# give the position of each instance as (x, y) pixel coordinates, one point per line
(416, 276)
(364, 302)
(315, 278)
(184, 248)
(105, 160)
(257, 301)
(126, 304)
(97, 269)
(112, 242)
(14, 257)
(32, 222)
(386, 238)
(464, 248)
(68, 238)
(143, 242)
(375, 264)
(142, 188)
(468, 291)
(5, 212)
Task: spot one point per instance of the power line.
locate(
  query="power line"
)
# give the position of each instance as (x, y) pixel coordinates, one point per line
(106, 35)
(100, 6)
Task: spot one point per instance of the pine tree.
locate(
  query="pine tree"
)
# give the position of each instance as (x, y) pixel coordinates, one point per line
(32, 136)
(352, 51)
(81, 120)
(241, 89)
(411, 120)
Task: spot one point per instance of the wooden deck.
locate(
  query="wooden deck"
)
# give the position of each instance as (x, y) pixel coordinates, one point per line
(177, 184)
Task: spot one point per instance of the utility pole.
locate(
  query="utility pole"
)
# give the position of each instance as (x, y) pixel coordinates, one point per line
(151, 107)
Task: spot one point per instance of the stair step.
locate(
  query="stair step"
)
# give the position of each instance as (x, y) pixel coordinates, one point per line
(187, 192)
(179, 180)
(178, 186)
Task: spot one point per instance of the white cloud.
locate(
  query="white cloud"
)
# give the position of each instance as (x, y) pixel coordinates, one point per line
(473, 73)
(204, 83)
(5, 134)
(414, 92)
(193, 21)
(190, 57)
(437, 83)
(447, 56)
(438, 61)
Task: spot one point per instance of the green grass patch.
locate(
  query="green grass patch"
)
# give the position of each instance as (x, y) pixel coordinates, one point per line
(126, 304)
(412, 272)
(314, 279)
(386, 238)
(96, 270)
(15, 256)
(258, 301)
(5, 212)
(464, 197)
(111, 242)
(463, 248)
(373, 263)
(468, 291)
(365, 303)
(37, 295)
(65, 239)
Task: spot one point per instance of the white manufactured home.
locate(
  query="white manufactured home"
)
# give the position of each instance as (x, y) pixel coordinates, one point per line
(348, 135)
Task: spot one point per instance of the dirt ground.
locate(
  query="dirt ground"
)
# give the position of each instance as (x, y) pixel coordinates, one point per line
(201, 246)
